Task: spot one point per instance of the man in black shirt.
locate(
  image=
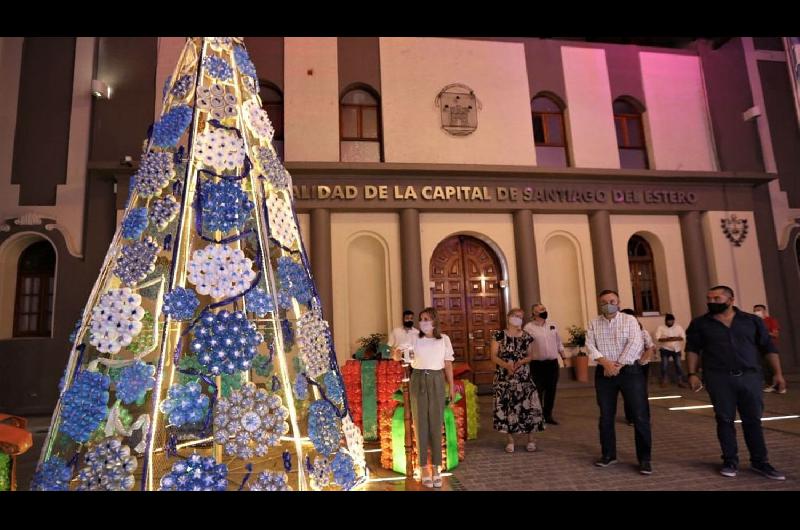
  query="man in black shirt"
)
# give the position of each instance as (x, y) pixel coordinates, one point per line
(730, 344)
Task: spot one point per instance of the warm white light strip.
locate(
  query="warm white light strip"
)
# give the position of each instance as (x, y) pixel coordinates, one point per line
(775, 418)
(397, 479)
(665, 397)
(373, 450)
(692, 407)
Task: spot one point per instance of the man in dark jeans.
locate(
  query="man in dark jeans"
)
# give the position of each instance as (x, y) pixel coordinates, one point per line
(729, 344)
(615, 342)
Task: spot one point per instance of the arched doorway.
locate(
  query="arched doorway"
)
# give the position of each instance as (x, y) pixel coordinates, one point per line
(465, 290)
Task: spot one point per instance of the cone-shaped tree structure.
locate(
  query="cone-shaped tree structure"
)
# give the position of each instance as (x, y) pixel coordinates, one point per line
(202, 360)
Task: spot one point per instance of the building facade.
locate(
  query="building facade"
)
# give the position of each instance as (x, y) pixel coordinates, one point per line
(474, 175)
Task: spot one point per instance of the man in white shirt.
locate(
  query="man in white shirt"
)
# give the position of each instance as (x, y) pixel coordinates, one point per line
(615, 342)
(545, 350)
(670, 339)
(405, 334)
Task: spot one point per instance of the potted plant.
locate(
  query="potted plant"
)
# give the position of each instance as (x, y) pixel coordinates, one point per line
(577, 337)
(372, 347)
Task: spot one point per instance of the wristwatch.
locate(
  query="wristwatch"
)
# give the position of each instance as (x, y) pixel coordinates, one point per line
(690, 374)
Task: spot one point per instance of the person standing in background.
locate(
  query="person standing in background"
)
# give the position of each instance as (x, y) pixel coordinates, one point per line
(774, 333)
(545, 350)
(670, 338)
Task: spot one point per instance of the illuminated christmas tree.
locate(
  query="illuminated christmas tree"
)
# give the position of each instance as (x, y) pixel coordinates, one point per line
(202, 361)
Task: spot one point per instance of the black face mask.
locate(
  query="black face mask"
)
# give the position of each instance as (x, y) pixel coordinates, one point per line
(669, 323)
(408, 324)
(717, 308)
(543, 315)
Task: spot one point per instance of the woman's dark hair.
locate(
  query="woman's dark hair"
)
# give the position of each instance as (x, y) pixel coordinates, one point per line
(435, 317)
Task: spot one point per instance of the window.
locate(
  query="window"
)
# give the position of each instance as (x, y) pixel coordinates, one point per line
(33, 307)
(643, 278)
(360, 126)
(630, 134)
(548, 131)
(272, 102)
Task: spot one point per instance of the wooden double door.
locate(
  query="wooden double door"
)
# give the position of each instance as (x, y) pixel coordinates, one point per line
(465, 277)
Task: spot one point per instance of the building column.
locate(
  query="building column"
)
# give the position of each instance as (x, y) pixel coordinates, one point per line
(411, 260)
(527, 265)
(605, 269)
(321, 264)
(696, 261)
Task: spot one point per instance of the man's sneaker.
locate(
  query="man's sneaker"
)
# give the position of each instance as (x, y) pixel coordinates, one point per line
(728, 470)
(768, 471)
(645, 468)
(769, 389)
(605, 462)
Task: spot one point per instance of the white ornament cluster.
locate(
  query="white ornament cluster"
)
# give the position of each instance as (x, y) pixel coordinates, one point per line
(355, 441)
(312, 338)
(220, 271)
(116, 320)
(281, 221)
(220, 148)
(257, 119)
(217, 101)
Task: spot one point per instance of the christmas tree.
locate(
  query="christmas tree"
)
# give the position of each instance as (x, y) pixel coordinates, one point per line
(202, 360)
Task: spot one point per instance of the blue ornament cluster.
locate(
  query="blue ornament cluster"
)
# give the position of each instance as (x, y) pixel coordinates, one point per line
(154, 173)
(270, 481)
(162, 211)
(135, 381)
(324, 427)
(225, 206)
(301, 387)
(182, 86)
(294, 280)
(333, 388)
(85, 405)
(259, 302)
(217, 68)
(344, 473)
(243, 62)
(134, 223)
(136, 261)
(185, 404)
(169, 129)
(225, 342)
(196, 473)
(180, 303)
(52, 475)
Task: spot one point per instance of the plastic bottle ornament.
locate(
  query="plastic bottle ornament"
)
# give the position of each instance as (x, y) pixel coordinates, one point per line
(216, 101)
(163, 211)
(136, 261)
(225, 342)
(196, 473)
(180, 303)
(185, 404)
(220, 271)
(109, 467)
(220, 149)
(85, 405)
(323, 427)
(249, 422)
(270, 481)
(312, 338)
(257, 119)
(225, 206)
(116, 320)
(135, 381)
(134, 223)
(52, 475)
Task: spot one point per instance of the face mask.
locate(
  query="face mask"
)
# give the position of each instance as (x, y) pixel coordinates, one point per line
(716, 308)
(609, 309)
(515, 321)
(760, 313)
(426, 326)
(543, 315)
(670, 323)
(408, 324)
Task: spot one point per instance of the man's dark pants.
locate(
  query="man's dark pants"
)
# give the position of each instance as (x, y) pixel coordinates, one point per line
(630, 381)
(545, 377)
(730, 393)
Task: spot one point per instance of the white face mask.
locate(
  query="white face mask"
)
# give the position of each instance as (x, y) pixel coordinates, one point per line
(760, 313)
(426, 326)
(515, 321)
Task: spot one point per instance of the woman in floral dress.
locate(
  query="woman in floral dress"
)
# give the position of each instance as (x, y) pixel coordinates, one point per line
(517, 409)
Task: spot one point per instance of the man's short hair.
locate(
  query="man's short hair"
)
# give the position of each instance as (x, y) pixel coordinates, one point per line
(760, 305)
(608, 291)
(725, 288)
(408, 312)
(669, 316)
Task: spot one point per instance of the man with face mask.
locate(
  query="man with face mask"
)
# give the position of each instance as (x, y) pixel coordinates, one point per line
(615, 342)
(670, 338)
(404, 335)
(729, 344)
(545, 350)
(774, 332)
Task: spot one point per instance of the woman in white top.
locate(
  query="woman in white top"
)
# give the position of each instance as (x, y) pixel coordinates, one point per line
(431, 355)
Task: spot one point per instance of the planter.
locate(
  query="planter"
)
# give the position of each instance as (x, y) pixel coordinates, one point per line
(581, 365)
